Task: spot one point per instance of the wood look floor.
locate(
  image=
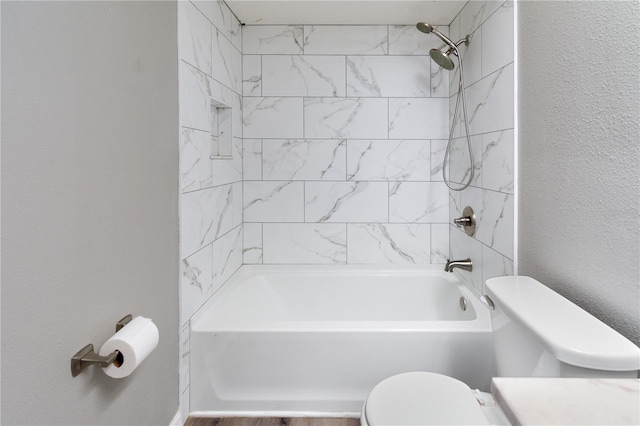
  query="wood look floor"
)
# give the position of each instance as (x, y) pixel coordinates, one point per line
(270, 421)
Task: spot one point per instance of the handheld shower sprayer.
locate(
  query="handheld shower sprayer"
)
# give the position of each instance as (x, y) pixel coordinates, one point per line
(443, 58)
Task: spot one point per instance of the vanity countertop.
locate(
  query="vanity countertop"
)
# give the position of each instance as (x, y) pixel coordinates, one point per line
(555, 401)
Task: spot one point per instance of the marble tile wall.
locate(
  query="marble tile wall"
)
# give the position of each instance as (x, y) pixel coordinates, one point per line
(344, 135)
(210, 67)
(489, 81)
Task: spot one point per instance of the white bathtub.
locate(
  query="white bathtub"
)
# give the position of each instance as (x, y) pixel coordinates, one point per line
(302, 339)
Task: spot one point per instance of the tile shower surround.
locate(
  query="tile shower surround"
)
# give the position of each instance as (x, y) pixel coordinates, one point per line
(344, 131)
(339, 136)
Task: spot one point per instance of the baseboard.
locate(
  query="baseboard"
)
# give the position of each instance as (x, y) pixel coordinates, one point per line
(177, 419)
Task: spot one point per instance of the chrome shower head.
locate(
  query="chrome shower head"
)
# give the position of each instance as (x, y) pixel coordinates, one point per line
(424, 27)
(428, 29)
(443, 58)
(438, 55)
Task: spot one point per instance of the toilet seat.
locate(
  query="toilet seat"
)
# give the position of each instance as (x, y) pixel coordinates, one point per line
(422, 398)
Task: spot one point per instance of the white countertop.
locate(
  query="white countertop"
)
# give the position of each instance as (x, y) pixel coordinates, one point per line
(564, 401)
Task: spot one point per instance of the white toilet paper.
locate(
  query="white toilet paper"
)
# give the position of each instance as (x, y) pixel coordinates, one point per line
(134, 341)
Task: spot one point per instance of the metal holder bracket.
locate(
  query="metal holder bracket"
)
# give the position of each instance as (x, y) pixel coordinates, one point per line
(87, 355)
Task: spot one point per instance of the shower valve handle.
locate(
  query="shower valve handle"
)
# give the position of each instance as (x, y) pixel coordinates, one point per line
(467, 221)
(463, 221)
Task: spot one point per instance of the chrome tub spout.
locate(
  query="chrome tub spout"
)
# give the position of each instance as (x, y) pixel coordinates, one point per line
(462, 264)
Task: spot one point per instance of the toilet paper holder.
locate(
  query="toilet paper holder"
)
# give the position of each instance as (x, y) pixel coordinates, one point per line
(87, 355)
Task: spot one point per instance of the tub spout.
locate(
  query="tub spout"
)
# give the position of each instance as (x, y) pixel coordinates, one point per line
(462, 264)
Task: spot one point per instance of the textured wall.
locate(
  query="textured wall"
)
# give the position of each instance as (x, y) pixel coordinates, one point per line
(580, 154)
(344, 129)
(89, 206)
(488, 77)
(210, 69)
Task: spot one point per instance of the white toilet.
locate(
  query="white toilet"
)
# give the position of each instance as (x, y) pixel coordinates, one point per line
(536, 333)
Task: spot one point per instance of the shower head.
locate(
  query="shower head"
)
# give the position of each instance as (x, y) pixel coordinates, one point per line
(442, 58)
(424, 27)
(428, 29)
(438, 55)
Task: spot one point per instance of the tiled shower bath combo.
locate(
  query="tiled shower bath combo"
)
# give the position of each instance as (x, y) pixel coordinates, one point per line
(338, 139)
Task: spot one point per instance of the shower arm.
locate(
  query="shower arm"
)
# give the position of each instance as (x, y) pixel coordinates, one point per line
(450, 42)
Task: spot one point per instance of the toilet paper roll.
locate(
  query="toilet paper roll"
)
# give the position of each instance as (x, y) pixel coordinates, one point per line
(134, 341)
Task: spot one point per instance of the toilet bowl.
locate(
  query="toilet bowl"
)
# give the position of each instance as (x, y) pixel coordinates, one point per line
(536, 333)
(422, 398)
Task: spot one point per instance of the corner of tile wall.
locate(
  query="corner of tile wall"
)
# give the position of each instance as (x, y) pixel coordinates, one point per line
(489, 82)
(210, 64)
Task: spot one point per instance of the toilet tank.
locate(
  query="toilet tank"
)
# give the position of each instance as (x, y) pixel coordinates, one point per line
(539, 333)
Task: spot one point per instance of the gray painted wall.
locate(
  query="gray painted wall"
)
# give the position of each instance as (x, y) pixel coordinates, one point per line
(90, 208)
(579, 191)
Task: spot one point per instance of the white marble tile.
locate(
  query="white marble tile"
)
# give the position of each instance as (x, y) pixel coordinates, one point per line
(252, 159)
(490, 102)
(459, 129)
(204, 216)
(226, 64)
(195, 37)
(195, 282)
(388, 160)
(272, 117)
(388, 244)
(454, 28)
(227, 257)
(463, 247)
(305, 243)
(455, 208)
(195, 166)
(185, 349)
(195, 101)
(498, 161)
(494, 217)
(473, 15)
(222, 18)
(494, 265)
(274, 201)
(359, 118)
(460, 163)
(346, 202)
(418, 202)
(414, 118)
(225, 170)
(251, 75)
(236, 207)
(388, 76)
(439, 243)
(496, 220)
(233, 28)
(472, 58)
(297, 75)
(407, 40)
(272, 39)
(497, 39)
(439, 81)
(345, 39)
(308, 159)
(252, 246)
(438, 148)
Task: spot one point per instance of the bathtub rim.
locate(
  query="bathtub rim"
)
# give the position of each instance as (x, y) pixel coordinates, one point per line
(481, 323)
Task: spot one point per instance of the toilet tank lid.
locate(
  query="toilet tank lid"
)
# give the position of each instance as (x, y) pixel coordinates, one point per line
(565, 330)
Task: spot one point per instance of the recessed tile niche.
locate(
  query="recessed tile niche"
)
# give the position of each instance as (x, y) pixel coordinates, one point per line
(221, 133)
